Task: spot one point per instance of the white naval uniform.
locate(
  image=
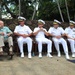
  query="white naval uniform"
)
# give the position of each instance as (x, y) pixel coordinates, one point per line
(71, 33)
(24, 30)
(40, 38)
(58, 32)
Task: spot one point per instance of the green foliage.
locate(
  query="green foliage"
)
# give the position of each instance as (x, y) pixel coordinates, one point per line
(48, 9)
(26, 9)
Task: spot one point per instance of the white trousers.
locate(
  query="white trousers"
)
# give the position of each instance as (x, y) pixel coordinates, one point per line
(72, 44)
(60, 41)
(40, 41)
(27, 40)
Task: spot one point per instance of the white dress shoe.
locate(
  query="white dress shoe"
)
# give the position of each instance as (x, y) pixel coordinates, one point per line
(40, 55)
(67, 56)
(29, 55)
(22, 55)
(59, 55)
(73, 55)
(49, 55)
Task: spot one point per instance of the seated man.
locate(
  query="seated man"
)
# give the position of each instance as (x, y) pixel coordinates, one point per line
(23, 32)
(5, 33)
(40, 33)
(70, 31)
(57, 33)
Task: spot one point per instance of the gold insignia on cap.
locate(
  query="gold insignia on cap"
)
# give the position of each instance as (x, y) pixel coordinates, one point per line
(21, 18)
(72, 23)
(41, 21)
(56, 22)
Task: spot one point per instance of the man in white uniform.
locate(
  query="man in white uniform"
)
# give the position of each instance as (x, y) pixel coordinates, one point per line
(57, 33)
(23, 32)
(40, 33)
(70, 31)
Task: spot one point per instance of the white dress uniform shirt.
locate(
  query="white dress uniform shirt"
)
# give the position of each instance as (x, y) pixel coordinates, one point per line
(23, 29)
(56, 32)
(70, 32)
(41, 34)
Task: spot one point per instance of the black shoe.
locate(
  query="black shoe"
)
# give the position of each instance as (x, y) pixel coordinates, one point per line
(1, 58)
(10, 57)
(1, 53)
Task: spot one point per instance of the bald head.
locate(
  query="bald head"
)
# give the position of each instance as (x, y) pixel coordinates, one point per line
(1, 24)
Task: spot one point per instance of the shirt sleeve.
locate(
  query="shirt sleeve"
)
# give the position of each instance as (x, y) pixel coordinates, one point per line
(29, 30)
(50, 30)
(16, 29)
(66, 31)
(8, 30)
(62, 30)
(35, 30)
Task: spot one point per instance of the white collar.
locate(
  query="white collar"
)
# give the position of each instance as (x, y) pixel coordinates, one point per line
(55, 28)
(22, 26)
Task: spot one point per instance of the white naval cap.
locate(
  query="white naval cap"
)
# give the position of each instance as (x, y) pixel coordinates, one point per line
(41, 21)
(72, 22)
(56, 22)
(20, 18)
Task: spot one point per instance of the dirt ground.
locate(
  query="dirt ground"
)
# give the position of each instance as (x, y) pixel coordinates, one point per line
(36, 66)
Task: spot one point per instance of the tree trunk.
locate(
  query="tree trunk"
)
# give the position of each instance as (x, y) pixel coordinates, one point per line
(19, 7)
(67, 10)
(34, 10)
(0, 11)
(60, 10)
(74, 17)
